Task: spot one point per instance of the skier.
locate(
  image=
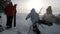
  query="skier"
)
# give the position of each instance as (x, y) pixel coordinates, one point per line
(34, 18)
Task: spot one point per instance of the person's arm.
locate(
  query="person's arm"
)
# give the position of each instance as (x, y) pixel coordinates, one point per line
(15, 11)
(28, 16)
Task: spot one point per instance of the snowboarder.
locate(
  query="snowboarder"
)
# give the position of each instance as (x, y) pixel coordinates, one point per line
(34, 18)
(15, 15)
(9, 11)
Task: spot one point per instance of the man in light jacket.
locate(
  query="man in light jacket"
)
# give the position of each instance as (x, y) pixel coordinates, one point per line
(34, 18)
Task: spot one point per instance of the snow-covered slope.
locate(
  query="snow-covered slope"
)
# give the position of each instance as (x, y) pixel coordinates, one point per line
(23, 26)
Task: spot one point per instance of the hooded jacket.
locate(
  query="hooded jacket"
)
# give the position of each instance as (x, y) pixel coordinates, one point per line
(33, 16)
(48, 16)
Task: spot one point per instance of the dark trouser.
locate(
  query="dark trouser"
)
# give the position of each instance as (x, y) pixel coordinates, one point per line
(15, 20)
(9, 21)
(35, 29)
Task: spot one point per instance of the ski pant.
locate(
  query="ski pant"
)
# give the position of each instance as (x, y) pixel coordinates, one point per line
(9, 21)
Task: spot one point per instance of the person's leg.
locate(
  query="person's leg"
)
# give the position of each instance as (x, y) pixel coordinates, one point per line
(11, 19)
(9, 22)
(15, 20)
(35, 29)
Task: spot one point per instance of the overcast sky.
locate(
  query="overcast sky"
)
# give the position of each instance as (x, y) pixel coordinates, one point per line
(22, 5)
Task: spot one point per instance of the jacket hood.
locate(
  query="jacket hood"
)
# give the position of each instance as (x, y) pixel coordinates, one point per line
(33, 11)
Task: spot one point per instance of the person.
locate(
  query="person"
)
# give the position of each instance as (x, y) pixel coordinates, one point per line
(48, 16)
(15, 15)
(34, 18)
(9, 11)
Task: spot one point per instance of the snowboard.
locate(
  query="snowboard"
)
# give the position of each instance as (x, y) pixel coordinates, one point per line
(33, 30)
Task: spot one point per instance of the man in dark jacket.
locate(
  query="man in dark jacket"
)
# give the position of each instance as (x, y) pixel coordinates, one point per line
(9, 11)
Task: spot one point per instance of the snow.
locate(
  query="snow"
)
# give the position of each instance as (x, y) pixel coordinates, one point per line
(23, 26)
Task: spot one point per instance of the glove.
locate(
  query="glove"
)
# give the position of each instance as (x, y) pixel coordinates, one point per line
(26, 18)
